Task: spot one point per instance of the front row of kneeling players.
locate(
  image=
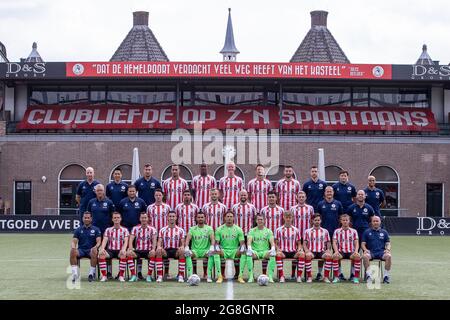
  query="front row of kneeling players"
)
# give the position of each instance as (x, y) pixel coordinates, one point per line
(228, 242)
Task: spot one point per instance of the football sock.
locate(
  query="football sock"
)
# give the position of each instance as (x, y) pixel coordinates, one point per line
(210, 266)
(92, 271)
(242, 263)
(122, 266)
(386, 273)
(217, 265)
(327, 268)
(336, 269)
(181, 266)
(188, 266)
(357, 266)
(151, 266)
(301, 265)
(308, 265)
(75, 270)
(131, 266)
(102, 264)
(271, 266)
(159, 266)
(250, 265)
(279, 263)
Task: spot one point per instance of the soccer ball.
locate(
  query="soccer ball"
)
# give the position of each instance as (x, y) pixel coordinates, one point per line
(193, 280)
(263, 280)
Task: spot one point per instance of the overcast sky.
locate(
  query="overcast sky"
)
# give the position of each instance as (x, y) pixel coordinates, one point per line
(382, 31)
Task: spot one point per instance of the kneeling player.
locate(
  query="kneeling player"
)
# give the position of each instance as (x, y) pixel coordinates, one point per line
(201, 237)
(346, 246)
(116, 238)
(260, 245)
(171, 246)
(317, 245)
(289, 246)
(85, 243)
(145, 237)
(230, 244)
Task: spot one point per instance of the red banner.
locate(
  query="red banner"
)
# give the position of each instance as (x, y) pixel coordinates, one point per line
(223, 117)
(228, 70)
(358, 118)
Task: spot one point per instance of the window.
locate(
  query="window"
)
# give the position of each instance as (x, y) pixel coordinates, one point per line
(403, 97)
(224, 95)
(59, 95)
(361, 97)
(388, 181)
(332, 174)
(185, 173)
(274, 174)
(126, 173)
(220, 173)
(317, 96)
(141, 95)
(68, 181)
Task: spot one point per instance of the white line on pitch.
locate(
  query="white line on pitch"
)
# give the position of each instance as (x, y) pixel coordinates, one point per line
(230, 290)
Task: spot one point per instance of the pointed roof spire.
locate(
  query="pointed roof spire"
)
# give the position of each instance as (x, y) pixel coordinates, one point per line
(140, 44)
(229, 49)
(425, 58)
(319, 45)
(34, 55)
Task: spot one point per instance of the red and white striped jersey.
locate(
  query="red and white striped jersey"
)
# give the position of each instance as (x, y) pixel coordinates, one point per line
(273, 216)
(173, 189)
(116, 237)
(171, 237)
(259, 190)
(202, 186)
(143, 237)
(287, 238)
(244, 215)
(186, 215)
(287, 192)
(302, 216)
(317, 239)
(345, 239)
(230, 188)
(157, 214)
(214, 214)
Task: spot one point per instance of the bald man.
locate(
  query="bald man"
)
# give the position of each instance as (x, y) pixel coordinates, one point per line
(101, 208)
(361, 213)
(85, 191)
(230, 186)
(374, 196)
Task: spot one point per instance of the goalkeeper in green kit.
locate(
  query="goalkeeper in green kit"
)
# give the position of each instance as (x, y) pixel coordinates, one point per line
(201, 237)
(230, 244)
(260, 245)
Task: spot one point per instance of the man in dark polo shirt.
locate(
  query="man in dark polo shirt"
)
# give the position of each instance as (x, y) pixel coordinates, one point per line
(85, 191)
(85, 243)
(101, 209)
(147, 185)
(376, 244)
(116, 190)
(131, 208)
(361, 213)
(374, 196)
(344, 191)
(314, 189)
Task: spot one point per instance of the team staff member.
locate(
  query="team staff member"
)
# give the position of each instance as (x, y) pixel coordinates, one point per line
(116, 190)
(131, 208)
(101, 209)
(361, 213)
(374, 196)
(376, 244)
(314, 189)
(344, 191)
(147, 185)
(85, 190)
(85, 243)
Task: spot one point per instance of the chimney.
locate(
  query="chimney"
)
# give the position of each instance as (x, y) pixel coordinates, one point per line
(319, 18)
(140, 18)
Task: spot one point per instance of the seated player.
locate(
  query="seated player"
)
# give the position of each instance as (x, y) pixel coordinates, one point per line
(260, 245)
(171, 246)
(346, 246)
(230, 244)
(317, 245)
(85, 243)
(376, 244)
(289, 246)
(201, 238)
(114, 246)
(145, 237)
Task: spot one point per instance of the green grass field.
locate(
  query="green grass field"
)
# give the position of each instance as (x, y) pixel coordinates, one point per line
(34, 267)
